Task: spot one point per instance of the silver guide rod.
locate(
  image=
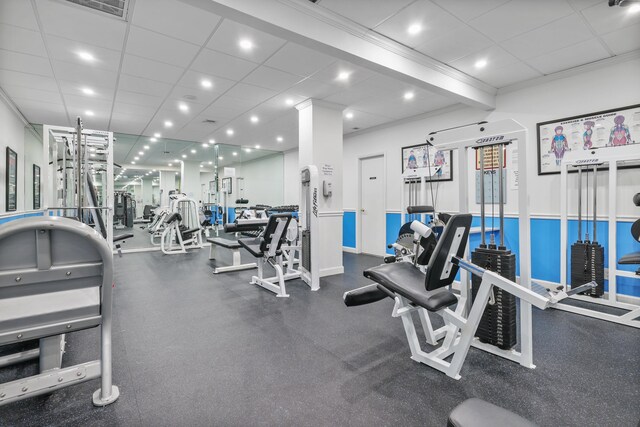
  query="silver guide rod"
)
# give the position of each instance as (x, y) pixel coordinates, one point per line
(595, 205)
(580, 204)
(469, 266)
(78, 177)
(500, 193)
(483, 241)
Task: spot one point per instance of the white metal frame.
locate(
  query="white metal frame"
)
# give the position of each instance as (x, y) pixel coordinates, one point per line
(613, 157)
(308, 214)
(237, 260)
(463, 139)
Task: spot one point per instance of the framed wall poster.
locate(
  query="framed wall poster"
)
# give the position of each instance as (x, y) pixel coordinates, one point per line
(610, 128)
(12, 180)
(421, 156)
(36, 187)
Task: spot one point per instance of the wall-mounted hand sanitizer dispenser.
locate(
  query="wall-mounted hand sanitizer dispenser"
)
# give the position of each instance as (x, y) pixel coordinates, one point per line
(326, 188)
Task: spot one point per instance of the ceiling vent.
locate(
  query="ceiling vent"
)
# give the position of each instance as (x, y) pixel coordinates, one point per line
(116, 8)
(209, 121)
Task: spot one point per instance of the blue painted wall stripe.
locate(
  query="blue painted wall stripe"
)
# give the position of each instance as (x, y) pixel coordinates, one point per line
(18, 216)
(349, 229)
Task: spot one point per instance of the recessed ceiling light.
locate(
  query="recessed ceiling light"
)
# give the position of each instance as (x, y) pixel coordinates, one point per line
(124, 169)
(170, 164)
(153, 170)
(349, 115)
(176, 160)
(220, 158)
(86, 56)
(146, 147)
(254, 119)
(184, 156)
(87, 91)
(93, 150)
(257, 147)
(481, 63)
(157, 135)
(408, 95)
(183, 107)
(344, 75)
(289, 101)
(414, 29)
(168, 123)
(141, 153)
(235, 153)
(246, 44)
(210, 162)
(201, 166)
(207, 84)
(89, 113)
(193, 151)
(153, 139)
(136, 158)
(248, 150)
(176, 173)
(212, 141)
(92, 155)
(230, 132)
(133, 163)
(205, 145)
(279, 139)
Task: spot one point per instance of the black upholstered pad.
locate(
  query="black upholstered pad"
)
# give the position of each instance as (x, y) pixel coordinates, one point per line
(225, 243)
(406, 280)
(478, 413)
(252, 245)
(632, 258)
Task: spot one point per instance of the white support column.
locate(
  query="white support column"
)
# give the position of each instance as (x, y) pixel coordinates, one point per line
(190, 179)
(147, 192)
(167, 183)
(320, 144)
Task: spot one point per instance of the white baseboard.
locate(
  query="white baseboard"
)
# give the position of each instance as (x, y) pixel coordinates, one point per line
(350, 250)
(330, 271)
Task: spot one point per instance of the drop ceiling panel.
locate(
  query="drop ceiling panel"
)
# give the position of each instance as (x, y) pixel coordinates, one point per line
(222, 65)
(32, 94)
(175, 19)
(142, 85)
(583, 4)
(21, 40)
(84, 74)
(138, 99)
(191, 82)
(469, 9)
(67, 50)
(185, 94)
(298, 60)
(77, 105)
(18, 13)
(548, 38)
(77, 23)
(572, 56)
(40, 106)
(227, 38)
(149, 69)
(250, 93)
(495, 56)
(22, 62)
(519, 16)
(362, 120)
(143, 112)
(29, 80)
(38, 113)
(224, 109)
(509, 74)
(330, 74)
(310, 88)
(367, 13)
(605, 19)
(271, 78)
(75, 88)
(450, 47)
(623, 40)
(158, 47)
(434, 21)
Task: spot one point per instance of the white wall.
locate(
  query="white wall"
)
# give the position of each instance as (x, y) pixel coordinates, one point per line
(12, 133)
(291, 178)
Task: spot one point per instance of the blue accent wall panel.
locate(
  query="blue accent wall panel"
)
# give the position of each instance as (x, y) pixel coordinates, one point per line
(349, 229)
(392, 229)
(231, 214)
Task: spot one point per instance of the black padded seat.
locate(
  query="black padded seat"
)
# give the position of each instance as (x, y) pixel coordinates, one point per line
(225, 243)
(252, 245)
(478, 413)
(632, 258)
(406, 280)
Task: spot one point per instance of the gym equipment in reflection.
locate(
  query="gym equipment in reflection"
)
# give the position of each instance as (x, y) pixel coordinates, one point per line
(181, 228)
(124, 209)
(403, 283)
(591, 263)
(634, 257)
(498, 323)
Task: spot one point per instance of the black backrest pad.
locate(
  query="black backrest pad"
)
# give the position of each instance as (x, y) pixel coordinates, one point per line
(457, 230)
(271, 228)
(173, 217)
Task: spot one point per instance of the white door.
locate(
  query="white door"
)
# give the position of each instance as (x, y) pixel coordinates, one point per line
(372, 206)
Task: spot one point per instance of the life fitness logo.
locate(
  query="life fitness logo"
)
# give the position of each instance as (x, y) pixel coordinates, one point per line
(315, 201)
(490, 139)
(586, 161)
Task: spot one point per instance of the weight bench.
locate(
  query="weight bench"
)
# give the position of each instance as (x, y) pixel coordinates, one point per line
(56, 277)
(235, 249)
(413, 291)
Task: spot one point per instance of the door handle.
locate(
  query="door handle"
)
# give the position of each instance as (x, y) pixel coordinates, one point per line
(362, 210)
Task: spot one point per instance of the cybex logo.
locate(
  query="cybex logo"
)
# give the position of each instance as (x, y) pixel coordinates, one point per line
(490, 139)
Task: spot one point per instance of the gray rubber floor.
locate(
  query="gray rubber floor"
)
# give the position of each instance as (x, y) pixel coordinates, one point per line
(195, 349)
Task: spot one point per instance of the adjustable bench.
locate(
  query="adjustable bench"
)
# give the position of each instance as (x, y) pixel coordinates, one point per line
(235, 249)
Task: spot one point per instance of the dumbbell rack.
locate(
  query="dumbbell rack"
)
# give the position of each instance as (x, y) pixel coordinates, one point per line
(613, 158)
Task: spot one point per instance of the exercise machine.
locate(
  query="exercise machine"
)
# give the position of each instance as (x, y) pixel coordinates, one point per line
(309, 237)
(124, 210)
(176, 237)
(634, 257)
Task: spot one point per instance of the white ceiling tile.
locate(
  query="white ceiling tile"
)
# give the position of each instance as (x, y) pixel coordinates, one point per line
(138, 99)
(154, 70)
(42, 113)
(193, 96)
(29, 80)
(158, 47)
(250, 93)
(18, 13)
(39, 106)
(32, 94)
(227, 38)
(142, 85)
(22, 62)
(191, 84)
(548, 38)
(298, 60)
(271, 78)
(605, 19)
(434, 20)
(367, 13)
(464, 41)
(19, 39)
(569, 57)
(67, 50)
(623, 40)
(222, 65)
(75, 88)
(519, 16)
(362, 120)
(330, 74)
(85, 74)
(78, 23)
(508, 74)
(495, 56)
(77, 105)
(583, 4)
(225, 109)
(351, 96)
(175, 19)
(122, 108)
(310, 88)
(469, 9)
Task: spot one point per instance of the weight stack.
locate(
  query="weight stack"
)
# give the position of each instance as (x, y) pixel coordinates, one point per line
(587, 265)
(499, 321)
(306, 249)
